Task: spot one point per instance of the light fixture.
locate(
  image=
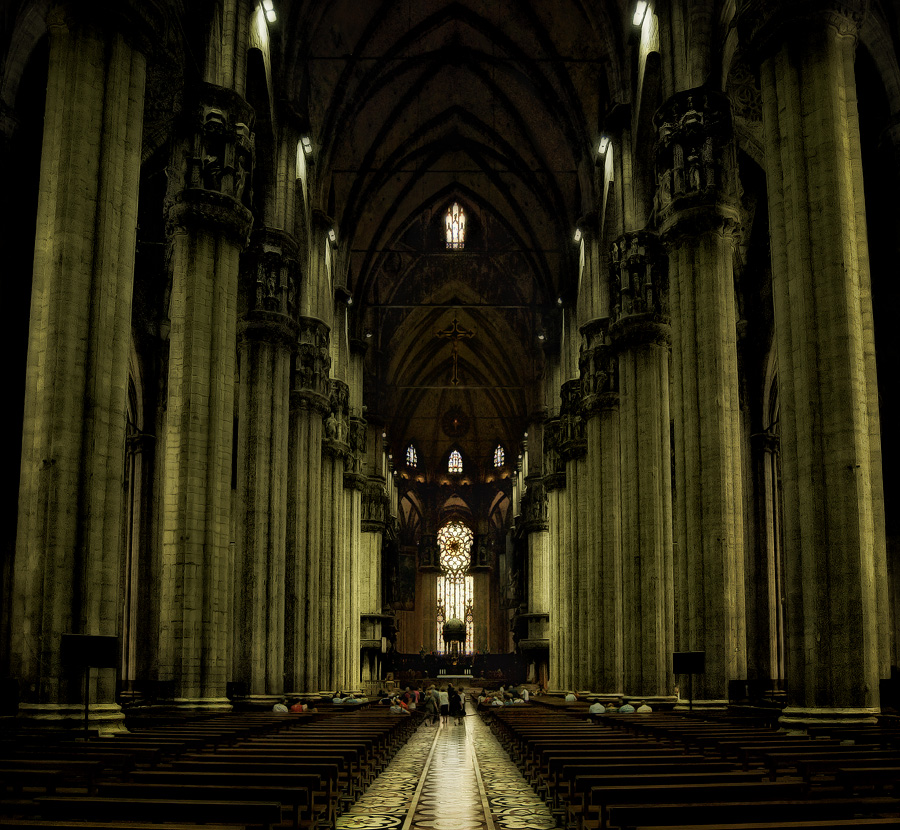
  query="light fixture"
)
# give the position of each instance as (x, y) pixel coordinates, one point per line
(349, 300)
(384, 435)
(306, 144)
(577, 236)
(526, 434)
(368, 336)
(640, 10)
(604, 145)
(542, 336)
(269, 9)
(332, 236)
(559, 300)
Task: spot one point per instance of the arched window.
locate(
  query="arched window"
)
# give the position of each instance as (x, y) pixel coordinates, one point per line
(454, 463)
(455, 223)
(412, 460)
(499, 456)
(454, 588)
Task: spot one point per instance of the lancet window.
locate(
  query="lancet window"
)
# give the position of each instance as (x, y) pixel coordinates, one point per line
(454, 462)
(455, 225)
(412, 460)
(499, 456)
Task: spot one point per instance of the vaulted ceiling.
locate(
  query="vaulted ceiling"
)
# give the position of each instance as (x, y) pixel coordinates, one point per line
(414, 105)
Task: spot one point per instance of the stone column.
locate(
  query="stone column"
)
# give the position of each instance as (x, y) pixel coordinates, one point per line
(600, 405)
(266, 338)
(210, 226)
(68, 549)
(480, 568)
(639, 332)
(838, 644)
(373, 525)
(572, 449)
(698, 215)
(309, 404)
(559, 562)
(334, 587)
(354, 484)
(533, 525)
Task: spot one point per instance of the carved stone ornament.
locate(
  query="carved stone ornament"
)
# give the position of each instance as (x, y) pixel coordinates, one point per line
(271, 273)
(535, 515)
(554, 463)
(572, 442)
(480, 557)
(375, 507)
(336, 438)
(429, 553)
(599, 369)
(695, 154)
(638, 276)
(221, 158)
(356, 438)
(310, 388)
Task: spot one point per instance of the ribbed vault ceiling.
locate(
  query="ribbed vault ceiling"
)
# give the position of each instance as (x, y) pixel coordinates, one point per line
(418, 104)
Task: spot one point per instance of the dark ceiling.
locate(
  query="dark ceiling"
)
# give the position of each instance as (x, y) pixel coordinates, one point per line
(496, 106)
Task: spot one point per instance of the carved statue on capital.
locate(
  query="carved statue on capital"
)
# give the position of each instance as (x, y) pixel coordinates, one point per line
(337, 422)
(638, 275)
(375, 507)
(554, 463)
(571, 441)
(356, 438)
(429, 553)
(599, 369)
(480, 557)
(695, 153)
(311, 366)
(535, 515)
(271, 270)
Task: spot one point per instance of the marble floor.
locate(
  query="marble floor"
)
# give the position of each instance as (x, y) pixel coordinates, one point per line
(450, 777)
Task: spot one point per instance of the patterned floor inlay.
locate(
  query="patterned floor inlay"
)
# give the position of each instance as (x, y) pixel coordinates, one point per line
(385, 804)
(450, 796)
(514, 804)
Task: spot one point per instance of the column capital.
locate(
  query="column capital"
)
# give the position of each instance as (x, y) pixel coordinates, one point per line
(336, 440)
(354, 479)
(375, 506)
(310, 388)
(270, 270)
(535, 515)
(764, 25)
(571, 439)
(695, 161)
(599, 371)
(767, 441)
(481, 555)
(219, 169)
(554, 463)
(638, 290)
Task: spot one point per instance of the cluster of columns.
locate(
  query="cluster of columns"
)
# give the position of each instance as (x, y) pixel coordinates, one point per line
(658, 563)
(258, 567)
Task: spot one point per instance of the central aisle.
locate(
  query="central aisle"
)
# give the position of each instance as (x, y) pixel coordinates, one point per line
(450, 778)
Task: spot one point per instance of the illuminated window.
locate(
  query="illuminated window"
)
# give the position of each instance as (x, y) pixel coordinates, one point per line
(454, 463)
(499, 456)
(454, 587)
(455, 223)
(412, 459)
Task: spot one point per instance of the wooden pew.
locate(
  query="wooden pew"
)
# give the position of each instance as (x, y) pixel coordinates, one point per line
(263, 814)
(716, 815)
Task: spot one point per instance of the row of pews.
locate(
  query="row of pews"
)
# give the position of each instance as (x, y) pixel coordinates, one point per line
(239, 770)
(681, 772)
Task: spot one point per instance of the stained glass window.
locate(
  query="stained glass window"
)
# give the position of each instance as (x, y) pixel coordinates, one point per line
(412, 460)
(454, 463)
(455, 223)
(454, 587)
(499, 456)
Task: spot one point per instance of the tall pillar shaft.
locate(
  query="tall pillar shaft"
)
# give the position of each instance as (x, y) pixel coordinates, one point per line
(835, 574)
(68, 548)
(695, 202)
(560, 604)
(267, 336)
(599, 385)
(640, 336)
(210, 228)
(309, 404)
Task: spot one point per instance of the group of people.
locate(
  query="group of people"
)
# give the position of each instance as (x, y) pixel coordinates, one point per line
(297, 705)
(503, 696)
(621, 706)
